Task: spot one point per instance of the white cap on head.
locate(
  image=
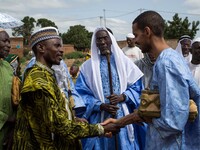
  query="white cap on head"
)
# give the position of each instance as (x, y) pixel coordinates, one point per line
(130, 35)
(1, 29)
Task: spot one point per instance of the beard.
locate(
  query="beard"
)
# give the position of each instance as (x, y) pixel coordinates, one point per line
(145, 48)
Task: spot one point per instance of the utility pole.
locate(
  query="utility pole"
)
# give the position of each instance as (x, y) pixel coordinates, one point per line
(104, 14)
(141, 9)
(101, 18)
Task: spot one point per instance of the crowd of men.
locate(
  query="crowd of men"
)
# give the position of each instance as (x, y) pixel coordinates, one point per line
(98, 109)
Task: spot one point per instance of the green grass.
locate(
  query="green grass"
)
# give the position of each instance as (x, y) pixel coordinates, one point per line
(74, 55)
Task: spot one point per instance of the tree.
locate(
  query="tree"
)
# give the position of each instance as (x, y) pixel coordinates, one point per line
(42, 22)
(25, 30)
(78, 36)
(178, 27)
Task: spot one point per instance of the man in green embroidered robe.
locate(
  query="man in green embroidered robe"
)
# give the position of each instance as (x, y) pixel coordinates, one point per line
(44, 118)
(7, 117)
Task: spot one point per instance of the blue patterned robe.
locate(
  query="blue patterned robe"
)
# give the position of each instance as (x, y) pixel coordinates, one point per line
(93, 113)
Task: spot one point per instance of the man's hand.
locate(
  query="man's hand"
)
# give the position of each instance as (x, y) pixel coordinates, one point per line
(109, 108)
(115, 99)
(138, 119)
(111, 127)
(132, 118)
(111, 122)
(107, 121)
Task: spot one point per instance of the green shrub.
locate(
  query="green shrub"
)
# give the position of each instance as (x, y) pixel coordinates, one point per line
(78, 62)
(23, 60)
(26, 52)
(75, 55)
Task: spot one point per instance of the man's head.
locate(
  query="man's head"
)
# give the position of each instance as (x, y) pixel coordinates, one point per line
(147, 25)
(74, 70)
(4, 44)
(47, 46)
(196, 51)
(185, 42)
(103, 41)
(130, 39)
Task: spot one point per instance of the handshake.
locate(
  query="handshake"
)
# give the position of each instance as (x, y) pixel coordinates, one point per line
(112, 126)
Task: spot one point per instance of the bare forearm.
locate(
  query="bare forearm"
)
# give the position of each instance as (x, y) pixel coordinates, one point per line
(126, 120)
(129, 119)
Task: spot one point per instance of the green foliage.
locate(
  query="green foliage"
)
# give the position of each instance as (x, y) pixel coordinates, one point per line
(78, 36)
(23, 60)
(78, 62)
(29, 24)
(43, 22)
(27, 55)
(178, 27)
(26, 52)
(25, 30)
(75, 55)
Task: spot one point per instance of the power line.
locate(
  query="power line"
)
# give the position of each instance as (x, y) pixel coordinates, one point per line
(125, 14)
(128, 13)
(143, 9)
(85, 18)
(173, 12)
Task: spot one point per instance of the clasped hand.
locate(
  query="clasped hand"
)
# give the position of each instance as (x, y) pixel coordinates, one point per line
(111, 129)
(115, 99)
(132, 118)
(112, 109)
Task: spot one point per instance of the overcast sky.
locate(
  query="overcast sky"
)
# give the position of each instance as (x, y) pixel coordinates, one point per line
(118, 14)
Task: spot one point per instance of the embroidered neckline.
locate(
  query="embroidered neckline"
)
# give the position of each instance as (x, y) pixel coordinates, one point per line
(44, 67)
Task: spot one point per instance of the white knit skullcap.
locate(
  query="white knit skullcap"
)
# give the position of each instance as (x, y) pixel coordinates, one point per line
(130, 35)
(44, 34)
(1, 29)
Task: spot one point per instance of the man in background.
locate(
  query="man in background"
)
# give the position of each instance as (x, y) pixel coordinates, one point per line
(146, 66)
(74, 70)
(131, 50)
(195, 62)
(184, 47)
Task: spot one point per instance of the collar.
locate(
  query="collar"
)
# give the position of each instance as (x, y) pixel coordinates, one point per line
(44, 67)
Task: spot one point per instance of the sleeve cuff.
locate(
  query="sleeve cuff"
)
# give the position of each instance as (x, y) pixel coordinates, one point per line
(101, 129)
(125, 97)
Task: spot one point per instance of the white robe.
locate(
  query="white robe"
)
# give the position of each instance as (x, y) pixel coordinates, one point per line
(134, 53)
(195, 69)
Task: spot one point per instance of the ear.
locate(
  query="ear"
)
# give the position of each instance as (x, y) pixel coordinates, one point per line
(40, 48)
(147, 31)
